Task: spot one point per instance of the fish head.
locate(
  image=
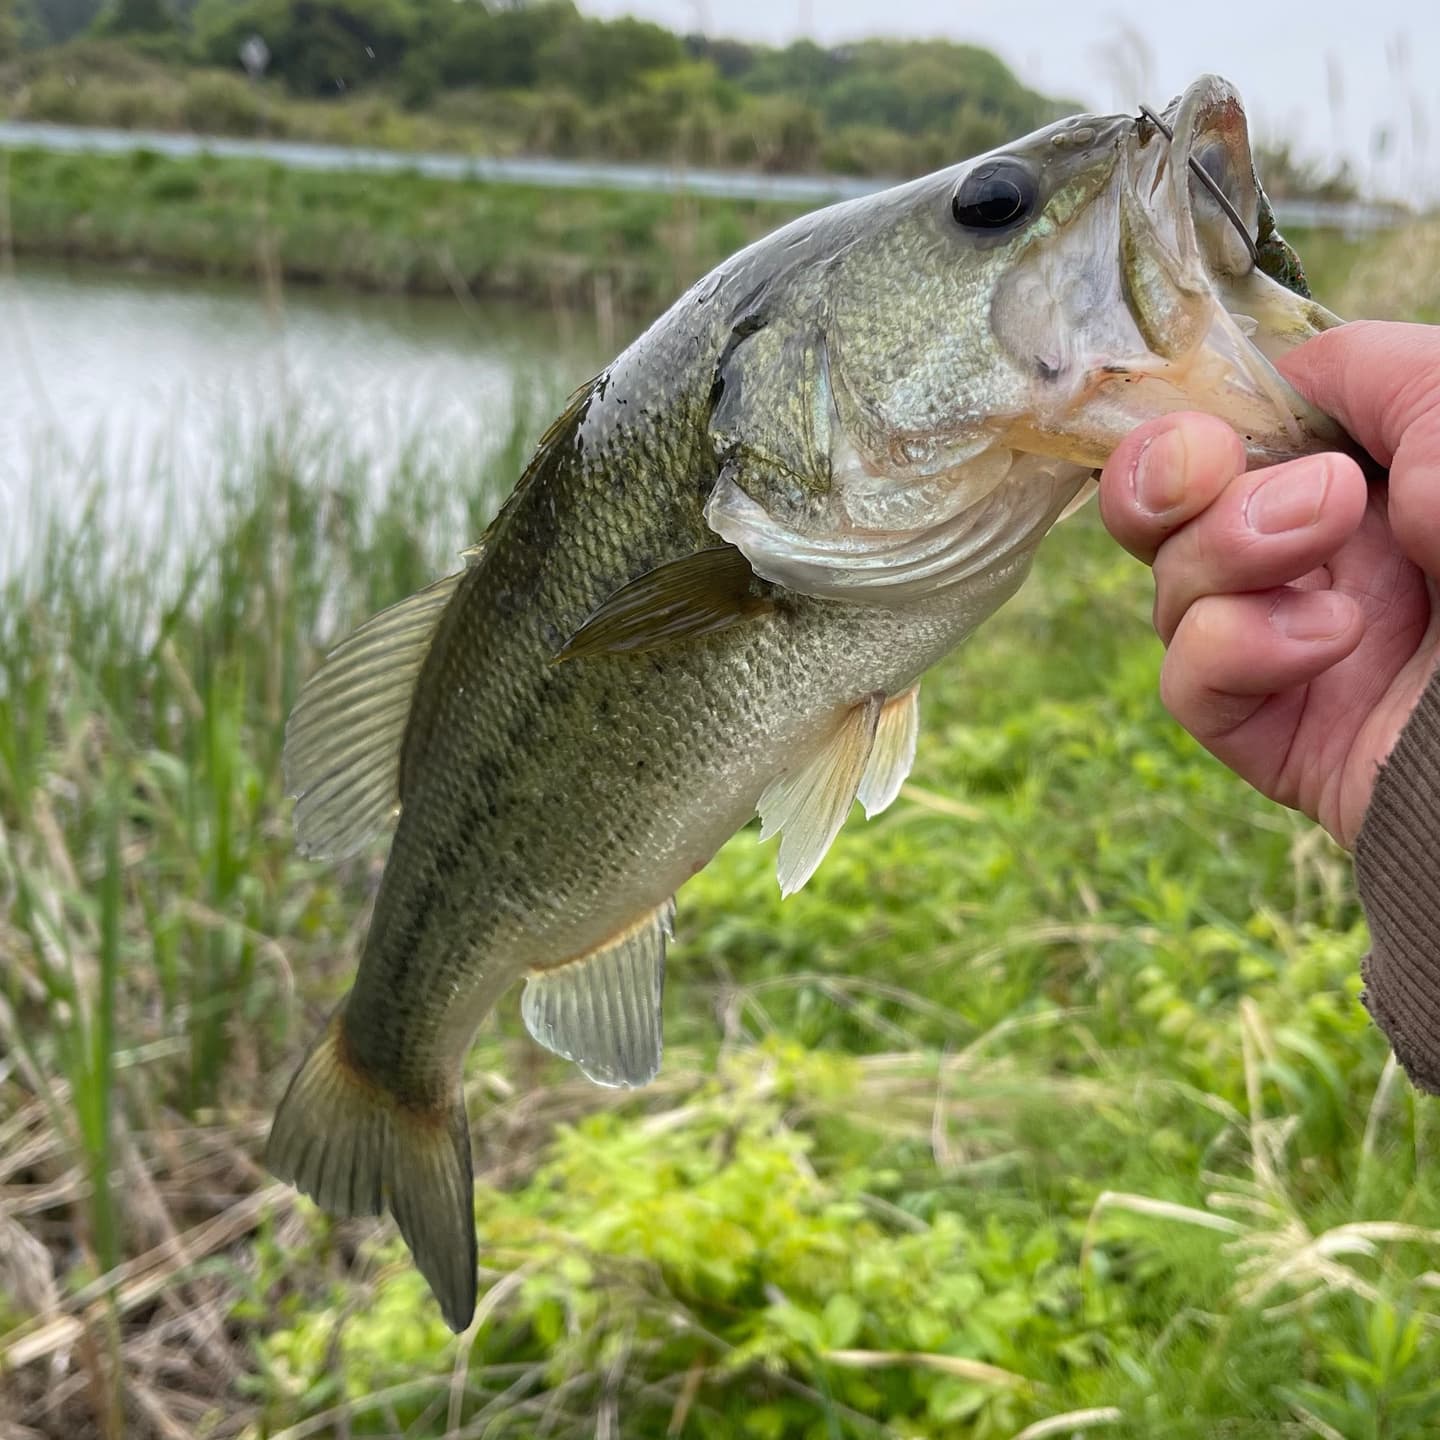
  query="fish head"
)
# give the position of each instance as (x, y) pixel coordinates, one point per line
(997, 328)
(1156, 296)
(1074, 284)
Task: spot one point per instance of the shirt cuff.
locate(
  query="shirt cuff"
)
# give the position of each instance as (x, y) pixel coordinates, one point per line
(1397, 871)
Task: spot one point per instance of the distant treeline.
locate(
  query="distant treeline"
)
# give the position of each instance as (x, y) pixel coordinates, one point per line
(511, 75)
(547, 78)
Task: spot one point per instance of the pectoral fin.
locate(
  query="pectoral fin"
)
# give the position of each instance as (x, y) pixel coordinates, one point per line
(602, 1010)
(680, 600)
(809, 805)
(342, 741)
(892, 754)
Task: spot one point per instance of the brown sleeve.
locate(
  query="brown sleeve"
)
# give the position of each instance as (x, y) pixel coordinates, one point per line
(1397, 868)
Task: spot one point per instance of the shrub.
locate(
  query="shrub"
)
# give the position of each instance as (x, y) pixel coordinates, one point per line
(222, 104)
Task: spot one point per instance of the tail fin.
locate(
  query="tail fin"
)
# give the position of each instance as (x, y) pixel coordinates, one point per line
(353, 1148)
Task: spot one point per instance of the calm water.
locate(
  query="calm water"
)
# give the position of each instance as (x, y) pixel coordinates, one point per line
(128, 391)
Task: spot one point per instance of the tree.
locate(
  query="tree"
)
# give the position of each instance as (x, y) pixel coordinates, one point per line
(62, 20)
(600, 59)
(9, 30)
(732, 58)
(802, 69)
(498, 49)
(923, 89)
(1287, 175)
(136, 17)
(318, 47)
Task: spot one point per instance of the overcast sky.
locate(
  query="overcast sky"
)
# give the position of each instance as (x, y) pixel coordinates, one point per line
(1359, 80)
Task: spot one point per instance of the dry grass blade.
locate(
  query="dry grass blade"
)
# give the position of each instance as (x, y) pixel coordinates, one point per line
(1316, 1425)
(166, 1425)
(1156, 1209)
(1072, 1423)
(9, 1430)
(685, 1400)
(490, 1302)
(27, 1272)
(139, 1280)
(957, 1365)
(337, 1417)
(1314, 1265)
(941, 804)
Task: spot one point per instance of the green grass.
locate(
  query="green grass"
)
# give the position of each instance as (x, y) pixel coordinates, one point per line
(248, 218)
(1051, 1093)
(615, 252)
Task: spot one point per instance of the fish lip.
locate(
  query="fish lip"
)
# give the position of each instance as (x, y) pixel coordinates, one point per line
(1207, 263)
(1210, 109)
(1209, 112)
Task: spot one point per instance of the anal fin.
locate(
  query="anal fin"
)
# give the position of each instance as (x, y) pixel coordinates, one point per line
(602, 1010)
(809, 805)
(893, 752)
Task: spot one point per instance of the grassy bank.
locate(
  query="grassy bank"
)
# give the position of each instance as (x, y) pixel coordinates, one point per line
(604, 249)
(1050, 1096)
(402, 232)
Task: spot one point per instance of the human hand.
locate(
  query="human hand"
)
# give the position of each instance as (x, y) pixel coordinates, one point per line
(1300, 611)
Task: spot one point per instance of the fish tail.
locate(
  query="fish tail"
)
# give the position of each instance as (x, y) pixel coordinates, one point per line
(353, 1148)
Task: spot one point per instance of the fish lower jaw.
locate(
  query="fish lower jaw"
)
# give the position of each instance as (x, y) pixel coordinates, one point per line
(1226, 374)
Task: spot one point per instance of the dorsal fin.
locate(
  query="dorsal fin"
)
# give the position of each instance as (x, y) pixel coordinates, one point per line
(342, 741)
(576, 404)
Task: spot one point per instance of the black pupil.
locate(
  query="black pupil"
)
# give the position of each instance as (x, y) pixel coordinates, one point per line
(985, 202)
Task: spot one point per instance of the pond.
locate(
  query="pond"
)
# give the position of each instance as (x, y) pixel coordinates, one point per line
(127, 392)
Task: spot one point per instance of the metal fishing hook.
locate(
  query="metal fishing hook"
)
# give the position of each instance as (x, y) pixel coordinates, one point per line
(1210, 183)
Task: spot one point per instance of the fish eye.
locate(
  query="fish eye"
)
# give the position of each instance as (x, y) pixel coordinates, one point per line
(995, 196)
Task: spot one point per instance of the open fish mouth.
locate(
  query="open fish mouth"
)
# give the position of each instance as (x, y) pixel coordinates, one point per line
(1199, 254)
(1208, 177)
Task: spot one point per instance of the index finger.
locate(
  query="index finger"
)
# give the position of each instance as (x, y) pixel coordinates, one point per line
(1163, 474)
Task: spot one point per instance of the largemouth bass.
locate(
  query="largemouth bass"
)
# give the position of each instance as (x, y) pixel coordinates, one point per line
(716, 587)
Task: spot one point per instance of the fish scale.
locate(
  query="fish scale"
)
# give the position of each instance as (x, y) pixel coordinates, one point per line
(714, 590)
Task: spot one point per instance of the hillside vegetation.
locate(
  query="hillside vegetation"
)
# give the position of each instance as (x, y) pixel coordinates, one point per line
(540, 78)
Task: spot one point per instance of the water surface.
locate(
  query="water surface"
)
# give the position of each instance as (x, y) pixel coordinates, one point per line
(134, 393)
